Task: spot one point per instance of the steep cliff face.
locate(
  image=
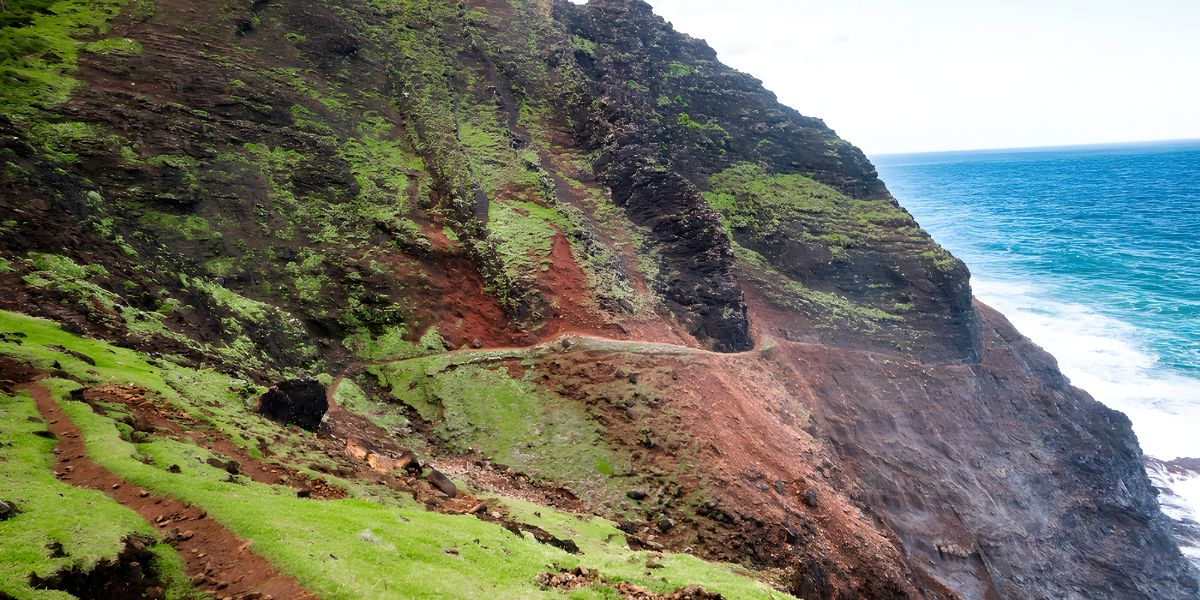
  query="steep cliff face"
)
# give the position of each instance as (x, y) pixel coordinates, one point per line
(564, 254)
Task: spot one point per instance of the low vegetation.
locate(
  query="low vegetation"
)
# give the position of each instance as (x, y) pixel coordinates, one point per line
(335, 548)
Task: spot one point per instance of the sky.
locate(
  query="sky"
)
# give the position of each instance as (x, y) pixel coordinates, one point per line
(896, 76)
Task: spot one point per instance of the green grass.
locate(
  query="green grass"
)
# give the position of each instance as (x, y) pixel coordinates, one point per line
(214, 399)
(89, 525)
(363, 547)
(516, 422)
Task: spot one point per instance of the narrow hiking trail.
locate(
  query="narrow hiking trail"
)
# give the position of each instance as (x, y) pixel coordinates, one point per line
(564, 341)
(217, 561)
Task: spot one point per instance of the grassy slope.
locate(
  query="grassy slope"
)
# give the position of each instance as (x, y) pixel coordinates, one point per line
(509, 419)
(362, 547)
(89, 525)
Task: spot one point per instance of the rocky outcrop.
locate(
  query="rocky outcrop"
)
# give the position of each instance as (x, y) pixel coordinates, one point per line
(671, 110)
(1185, 523)
(700, 284)
(300, 402)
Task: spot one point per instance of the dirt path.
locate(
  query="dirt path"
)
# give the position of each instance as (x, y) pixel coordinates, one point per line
(151, 416)
(580, 341)
(217, 561)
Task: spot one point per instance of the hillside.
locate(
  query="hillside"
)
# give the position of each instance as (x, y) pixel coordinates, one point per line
(566, 308)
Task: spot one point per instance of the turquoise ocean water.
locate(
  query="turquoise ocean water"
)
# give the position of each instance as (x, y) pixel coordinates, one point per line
(1092, 252)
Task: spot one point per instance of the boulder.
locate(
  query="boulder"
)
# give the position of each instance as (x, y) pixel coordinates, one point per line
(442, 482)
(300, 402)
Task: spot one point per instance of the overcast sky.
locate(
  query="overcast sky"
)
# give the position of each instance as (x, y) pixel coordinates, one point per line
(918, 75)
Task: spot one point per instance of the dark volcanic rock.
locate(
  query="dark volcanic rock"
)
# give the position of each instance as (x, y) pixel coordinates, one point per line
(300, 402)
(1051, 491)
(703, 289)
(442, 483)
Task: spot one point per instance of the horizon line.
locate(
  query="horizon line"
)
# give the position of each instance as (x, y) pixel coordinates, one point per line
(1047, 147)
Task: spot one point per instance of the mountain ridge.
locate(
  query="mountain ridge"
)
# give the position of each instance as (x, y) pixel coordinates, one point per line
(440, 204)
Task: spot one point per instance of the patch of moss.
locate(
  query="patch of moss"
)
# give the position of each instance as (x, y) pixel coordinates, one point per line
(393, 344)
(62, 139)
(308, 275)
(382, 168)
(676, 70)
(39, 51)
(118, 46)
(523, 235)
(709, 125)
(193, 228)
(221, 266)
(495, 164)
(584, 45)
(60, 273)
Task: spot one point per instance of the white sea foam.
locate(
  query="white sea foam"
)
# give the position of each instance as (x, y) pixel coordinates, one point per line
(1179, 502)
(1103, 356)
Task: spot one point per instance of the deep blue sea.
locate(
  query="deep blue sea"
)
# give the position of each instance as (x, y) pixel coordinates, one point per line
(1092, 252)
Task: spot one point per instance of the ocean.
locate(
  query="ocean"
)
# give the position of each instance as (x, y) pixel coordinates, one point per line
(1093, 253)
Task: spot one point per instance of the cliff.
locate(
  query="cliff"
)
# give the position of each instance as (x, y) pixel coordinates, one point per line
(549, 261)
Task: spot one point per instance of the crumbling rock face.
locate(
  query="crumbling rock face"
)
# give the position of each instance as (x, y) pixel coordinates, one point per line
(671, 113)
(702, 285)
(300, 402)
(1047, 500)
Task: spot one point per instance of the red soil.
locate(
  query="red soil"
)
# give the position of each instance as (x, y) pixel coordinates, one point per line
(464, 312)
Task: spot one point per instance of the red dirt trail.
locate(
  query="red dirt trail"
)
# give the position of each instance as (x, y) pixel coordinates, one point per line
(216, 560)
